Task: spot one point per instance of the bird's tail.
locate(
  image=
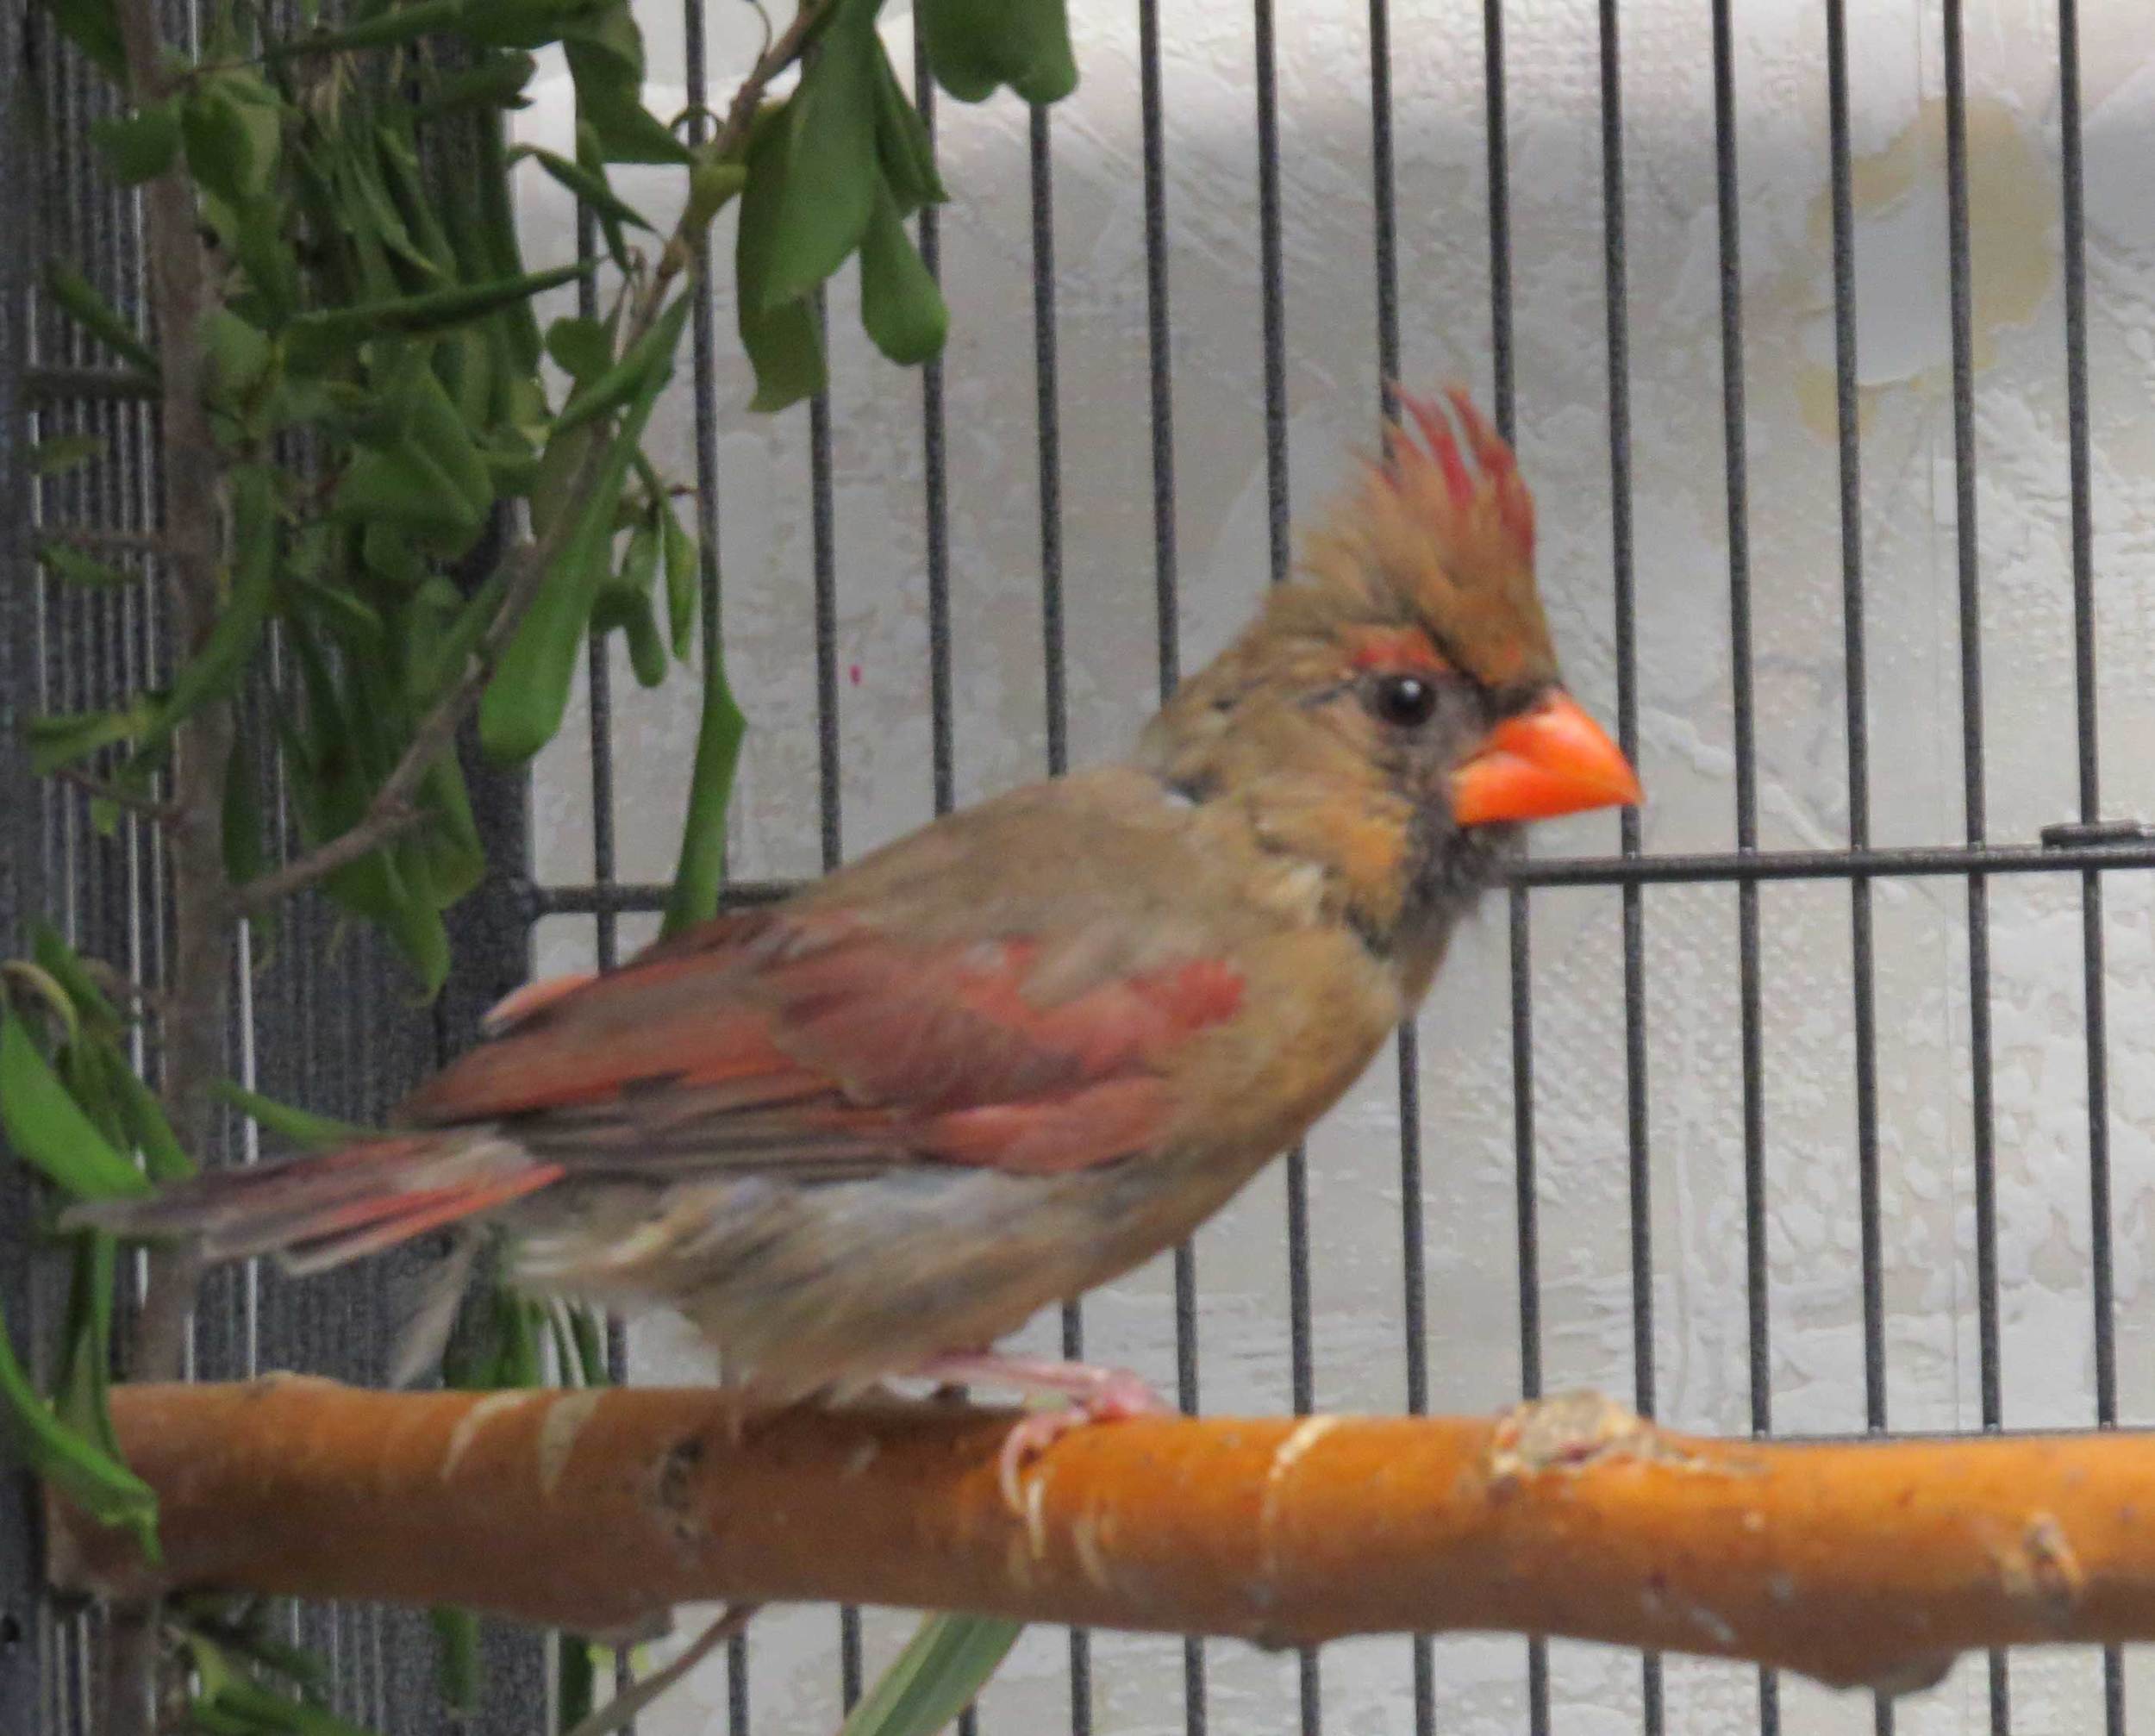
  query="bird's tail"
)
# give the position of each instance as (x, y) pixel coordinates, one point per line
(318, 1212)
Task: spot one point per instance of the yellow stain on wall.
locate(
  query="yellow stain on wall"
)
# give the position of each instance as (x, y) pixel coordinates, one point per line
(1898, 196)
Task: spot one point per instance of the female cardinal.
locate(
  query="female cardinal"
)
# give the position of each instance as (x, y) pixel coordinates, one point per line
(868, 1131)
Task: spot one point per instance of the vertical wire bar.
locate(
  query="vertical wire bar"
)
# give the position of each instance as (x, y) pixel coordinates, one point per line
(1961, 293)
(1863, 967)
(606, 931)
(600, 686)
(1858, 722)
(1618, 343)
(1054, 657)
(694, 52)
(942, 732)
(2085, 695)
(1167, 604)
(1047, 421)
(1302, 1371)
(1757, 1296)
(1496, 136)
(25, 1632)
(824, 528)
(1414, 1299)
(935, 467)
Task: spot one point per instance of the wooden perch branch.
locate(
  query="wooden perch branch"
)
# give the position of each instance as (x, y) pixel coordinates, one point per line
(1868, 1565)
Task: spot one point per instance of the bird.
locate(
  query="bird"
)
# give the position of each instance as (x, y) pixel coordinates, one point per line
(866, 1133)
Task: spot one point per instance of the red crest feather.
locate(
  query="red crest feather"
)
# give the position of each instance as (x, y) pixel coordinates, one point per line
(1440, 537)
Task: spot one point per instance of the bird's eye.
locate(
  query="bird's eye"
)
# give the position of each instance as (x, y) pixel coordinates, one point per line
(1403, 701)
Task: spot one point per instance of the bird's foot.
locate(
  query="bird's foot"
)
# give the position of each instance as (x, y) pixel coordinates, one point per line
(1096, 1394)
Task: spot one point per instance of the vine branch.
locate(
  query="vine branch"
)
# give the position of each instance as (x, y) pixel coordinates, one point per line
(1865, 1564)
(393, 809)
(191, 1025)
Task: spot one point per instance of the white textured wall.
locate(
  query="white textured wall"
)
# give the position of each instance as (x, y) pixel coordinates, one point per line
(1686, 723)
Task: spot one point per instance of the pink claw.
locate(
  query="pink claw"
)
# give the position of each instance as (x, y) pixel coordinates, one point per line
(1121, 1394)
(1096, 1394)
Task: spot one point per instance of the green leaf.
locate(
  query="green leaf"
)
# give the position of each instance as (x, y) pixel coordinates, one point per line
(74, 1465)
(47, 1127)
(785, 347)
(701, 867)
(75, 567)
(516, 1328)
(233, 126)
(624, 379)
(902, 146)
(261, 1709)
(458, 1673)
(901, 308)
(429, 481)
(143, 1117)
(590, 157)
(37, 980)
(438, 431)
(383, 30)
(62, 739)
(574, 1681)
(245, 857)
(338, 329)
(591, 1345)
(521, 23)
(63, 965)
(96, 316)
(299, 1126)
(711, 183)
(443, 660)
(590, 186)
(524, 703)
(239, 352)
(944, 1666)
(684, 592)
(785, 344)
(975, 45)
(639, 565)
(497, 82)
(828, 189)
(456, 860)
(216, 670)
(93, 26)
(58, 453)
(368, 202)
(86, 1067)
(387, 553)
(82, 1384)
(632, 617)
(605, 53)
(139, 147)
(583, 348)
(356, 626)
(270, 293)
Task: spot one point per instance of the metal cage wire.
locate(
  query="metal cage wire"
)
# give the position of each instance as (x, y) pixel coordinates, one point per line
(101, 644)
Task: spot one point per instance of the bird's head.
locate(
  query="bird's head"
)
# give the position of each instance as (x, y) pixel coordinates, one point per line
(1395, 713)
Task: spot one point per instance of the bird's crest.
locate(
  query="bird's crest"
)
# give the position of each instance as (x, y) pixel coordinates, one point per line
(1442, 540)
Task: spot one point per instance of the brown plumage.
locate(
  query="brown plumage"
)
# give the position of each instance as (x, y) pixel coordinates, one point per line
(1002, 1060)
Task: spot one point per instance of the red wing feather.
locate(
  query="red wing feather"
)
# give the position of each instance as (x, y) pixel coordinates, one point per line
(771, 1040)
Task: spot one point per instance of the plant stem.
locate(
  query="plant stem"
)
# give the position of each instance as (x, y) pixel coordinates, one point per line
(147, 806)
(192, 1025)
(392, 811)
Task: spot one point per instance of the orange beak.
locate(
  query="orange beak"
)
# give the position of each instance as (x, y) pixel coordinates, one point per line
(1553, 759)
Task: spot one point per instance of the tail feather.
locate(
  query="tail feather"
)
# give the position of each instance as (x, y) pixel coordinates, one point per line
(322, 1211)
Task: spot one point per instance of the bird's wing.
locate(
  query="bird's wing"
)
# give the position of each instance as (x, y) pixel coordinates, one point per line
(811, 1037)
